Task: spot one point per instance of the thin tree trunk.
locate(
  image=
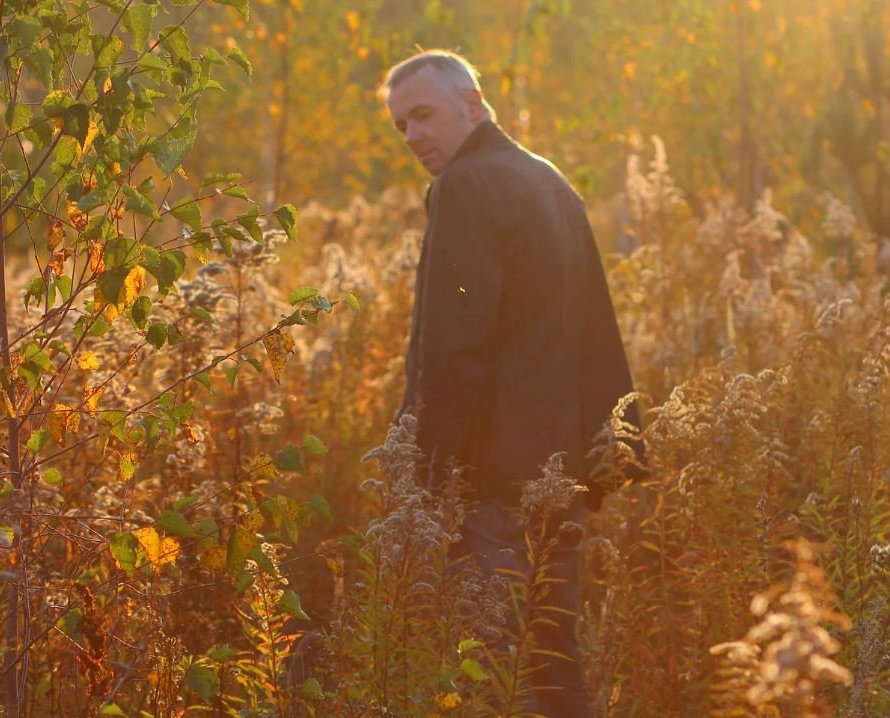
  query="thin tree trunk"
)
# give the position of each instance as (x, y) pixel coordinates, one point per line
(11, 642)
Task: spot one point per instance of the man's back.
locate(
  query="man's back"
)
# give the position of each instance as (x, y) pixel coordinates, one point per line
(516, 352)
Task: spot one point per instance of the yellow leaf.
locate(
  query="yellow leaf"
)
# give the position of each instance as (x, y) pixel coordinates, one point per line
(130, 290)
(10, 409)
(213, 558)
(278, 346)
(91, 395)
(754, 5)
(169, 550)
(188, 432)
(253, 522)
(88, 361)
(151, 544)
(61, 420)
(72, 422)
(127, 464)
(97, 251)
(448, 700)
(56, 236)
(261, 466)
(92, 131)
(79, 219)
(133, 285)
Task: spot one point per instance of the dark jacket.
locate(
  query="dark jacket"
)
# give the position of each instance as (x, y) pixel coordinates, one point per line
(515, 352)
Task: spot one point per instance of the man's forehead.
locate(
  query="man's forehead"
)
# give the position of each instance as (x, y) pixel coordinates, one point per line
(419, 88)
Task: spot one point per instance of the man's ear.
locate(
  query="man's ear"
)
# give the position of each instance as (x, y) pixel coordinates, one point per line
(476, 105)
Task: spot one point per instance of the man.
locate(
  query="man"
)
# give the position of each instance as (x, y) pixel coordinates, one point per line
(515, 352)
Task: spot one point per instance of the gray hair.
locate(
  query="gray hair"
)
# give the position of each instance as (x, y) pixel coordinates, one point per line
(461, 74)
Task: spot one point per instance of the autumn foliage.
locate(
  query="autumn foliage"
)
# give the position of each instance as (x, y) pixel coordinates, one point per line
(194, 374)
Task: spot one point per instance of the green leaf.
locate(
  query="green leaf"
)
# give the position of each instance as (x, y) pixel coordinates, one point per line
(353, 302)
(156, 334)
(176, 42)
(202, 314)
(36, 289)
(468, 644)
(25, 30)
(241, 6)
(37, 441)
(236, 191)
(248, 221)
(40, 62)
(99, 327)
(312, 689)
(222, 653)
(169, 150)
(208, 531)
(53, 477)
(321, 506)
(204, 380)
(76, 122)
(289, 459)
(71, 624)
(187, 211)
(289, 603)
(231, 373)
(111, 283)
(152, 432)
(473, 669)
(203, 680)
(111, 709)
(261, 560)
(287, 217)
(202, 246)
(212, 55)
(301, 294)
(242, 581)
(314, 446)
(137, 21)
(240, 544)
(63, 284)
(116, 421)
(106, 49)
(151, 62)
(174, 523)
(218, 177)
(93, 199)
(18, 117)
(139, 203)
(237, 54)
(140, 311)
(123, 547)
(254, 362)
(184, 502)
(166, 267)
(6, 489)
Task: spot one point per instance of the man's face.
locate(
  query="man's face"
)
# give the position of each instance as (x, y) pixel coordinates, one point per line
(434, 117)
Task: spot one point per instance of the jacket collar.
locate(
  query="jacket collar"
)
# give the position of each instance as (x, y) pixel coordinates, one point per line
(485, 137)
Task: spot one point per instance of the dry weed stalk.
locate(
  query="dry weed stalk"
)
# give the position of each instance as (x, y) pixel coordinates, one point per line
(785, 660)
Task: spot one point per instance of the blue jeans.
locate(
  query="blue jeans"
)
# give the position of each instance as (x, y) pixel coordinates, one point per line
(495, 537)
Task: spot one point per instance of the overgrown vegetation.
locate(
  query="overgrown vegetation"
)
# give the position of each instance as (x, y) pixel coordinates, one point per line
(176, 539)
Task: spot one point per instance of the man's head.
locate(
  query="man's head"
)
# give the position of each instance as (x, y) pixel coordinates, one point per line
(435, 101)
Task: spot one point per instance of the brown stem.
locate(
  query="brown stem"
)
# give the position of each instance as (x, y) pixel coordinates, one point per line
(11, 697)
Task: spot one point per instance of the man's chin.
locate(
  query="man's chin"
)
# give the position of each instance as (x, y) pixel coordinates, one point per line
(431, 165)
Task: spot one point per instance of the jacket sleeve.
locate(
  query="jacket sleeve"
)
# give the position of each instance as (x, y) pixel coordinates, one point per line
(463, 282)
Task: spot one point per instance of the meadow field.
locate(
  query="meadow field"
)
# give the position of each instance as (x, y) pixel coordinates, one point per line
(205, 508)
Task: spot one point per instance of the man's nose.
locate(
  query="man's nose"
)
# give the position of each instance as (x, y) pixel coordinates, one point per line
(413, 135)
